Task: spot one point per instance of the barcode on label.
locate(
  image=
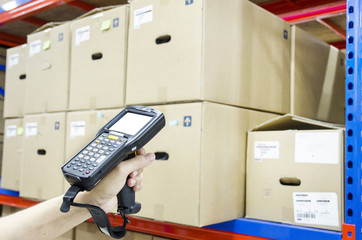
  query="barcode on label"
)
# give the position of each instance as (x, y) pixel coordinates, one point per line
(306, 215)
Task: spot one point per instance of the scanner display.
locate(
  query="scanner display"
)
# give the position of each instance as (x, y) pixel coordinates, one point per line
(130, 123)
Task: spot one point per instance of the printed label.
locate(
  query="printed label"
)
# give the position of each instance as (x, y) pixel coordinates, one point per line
(318, 208)
(266, 150)
(34, 48)
(13, 60)
(319, 147)
(31, 129)
(142, 15)
(11, 131)
(77, 128)
(82, 34)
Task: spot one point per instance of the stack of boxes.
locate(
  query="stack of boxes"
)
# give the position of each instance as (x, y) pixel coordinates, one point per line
(215, 69)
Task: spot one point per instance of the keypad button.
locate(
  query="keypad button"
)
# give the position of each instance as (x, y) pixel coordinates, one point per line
(91, 154)
(99, 146)
(94, 144)
(105, 148)
(95, 165)
(82, 161)
(86, 158)
(79, 164)
(89, 163)
(89, 148)
(80, 155)
(90, 168)
(106, 140)
(97, 141)
(101, 151)
(81, 170)
(85, 152)
(109, 144)
(107, 153)
(111, 149)
(76, 159)
(101, 139)
(87, 172)
(97, 155)
(115, 146)
(69, 166)
(92, 159)
(95, 150)
(112, 141)
(72, 162)
(85, 166)
(75, 168)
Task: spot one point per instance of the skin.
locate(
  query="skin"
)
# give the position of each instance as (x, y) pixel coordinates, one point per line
(45, 221)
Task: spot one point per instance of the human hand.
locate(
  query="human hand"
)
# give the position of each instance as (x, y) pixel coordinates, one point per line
(104, 193)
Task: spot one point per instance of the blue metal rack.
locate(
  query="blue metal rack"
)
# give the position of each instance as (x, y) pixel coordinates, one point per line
(353, 205)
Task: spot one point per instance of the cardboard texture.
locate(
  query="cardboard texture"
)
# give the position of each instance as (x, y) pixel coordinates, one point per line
(90, 231)
(206, 144)
(305, 186)
(15, 81)
(12, 154)
(44, 136)
(318, 78)
(47, 70)
(230, 52)
(98, 62)
(82, 127)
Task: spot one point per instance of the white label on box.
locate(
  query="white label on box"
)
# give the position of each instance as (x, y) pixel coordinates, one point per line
(34, 47)
(318, 147)
(317, 208)
(97, 15)
(82, 34)
(13, 60)
(77, 128)
(142, 15)
(11, 131)
(266, 149)
(31, 129)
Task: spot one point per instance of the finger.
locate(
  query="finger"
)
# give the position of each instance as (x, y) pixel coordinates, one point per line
(134, 181)
(138, 162)
(133, 174)
(141, 151)
(137, 188)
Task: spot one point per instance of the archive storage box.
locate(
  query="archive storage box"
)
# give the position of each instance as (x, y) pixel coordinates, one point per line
(82, 128)
(99, 59)
(231, 52)
(295, 173)
(41, 176)
(318, 78)
(15, 81)
(200, 178)
(12, 154)
(47, 85)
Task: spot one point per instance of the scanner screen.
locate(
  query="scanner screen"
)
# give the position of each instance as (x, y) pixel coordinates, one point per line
(130, 123)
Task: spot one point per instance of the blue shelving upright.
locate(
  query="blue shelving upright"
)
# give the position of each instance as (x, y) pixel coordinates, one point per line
(353, 204)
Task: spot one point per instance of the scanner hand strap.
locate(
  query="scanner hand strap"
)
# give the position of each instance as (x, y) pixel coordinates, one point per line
(99, 216)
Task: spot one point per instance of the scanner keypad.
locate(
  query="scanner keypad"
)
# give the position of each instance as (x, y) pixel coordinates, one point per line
(95, 153)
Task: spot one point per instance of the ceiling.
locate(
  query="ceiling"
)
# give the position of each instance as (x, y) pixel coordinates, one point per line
(326, 19)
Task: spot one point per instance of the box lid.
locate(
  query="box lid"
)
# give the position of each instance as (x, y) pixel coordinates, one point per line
(290, 121)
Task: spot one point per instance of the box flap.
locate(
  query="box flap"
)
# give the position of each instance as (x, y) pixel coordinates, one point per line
(290, 121)
(47, 26)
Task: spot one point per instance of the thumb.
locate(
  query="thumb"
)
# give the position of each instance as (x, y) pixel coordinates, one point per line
(138, 162)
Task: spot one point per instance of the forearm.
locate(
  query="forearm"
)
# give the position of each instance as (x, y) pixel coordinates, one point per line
(43, 221)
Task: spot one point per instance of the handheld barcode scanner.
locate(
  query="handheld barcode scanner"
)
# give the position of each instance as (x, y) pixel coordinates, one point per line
(117, 141)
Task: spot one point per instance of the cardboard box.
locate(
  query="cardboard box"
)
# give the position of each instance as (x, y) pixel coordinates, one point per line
(41, 176)
(98, 62)
(231, 52)
(295, 173)
(47, 85)
(318, 78)
(15, 81)
(90, 231)
(206, 147)
(12, 154)
(82, 127)
(8, 210)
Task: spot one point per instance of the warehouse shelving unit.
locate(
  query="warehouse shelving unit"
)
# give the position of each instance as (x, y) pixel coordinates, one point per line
(254, 229)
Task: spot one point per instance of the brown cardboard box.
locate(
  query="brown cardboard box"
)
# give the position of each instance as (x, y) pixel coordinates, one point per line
(8, 210)
(82, 127)
(295, 173)
(317, 77)
(12, 154)
(2, 56)
(202, 182)
(229, 52)
(15, 81)
(98, 62)
(46, 88)
(41, 176)
(90, 231)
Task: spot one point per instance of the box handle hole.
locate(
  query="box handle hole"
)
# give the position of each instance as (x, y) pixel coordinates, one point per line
(97, 56)
(163, 39)
(161, 156)
(289, 181)
(41, 152)
(22, 76)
